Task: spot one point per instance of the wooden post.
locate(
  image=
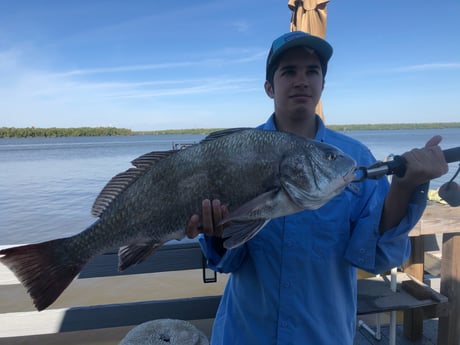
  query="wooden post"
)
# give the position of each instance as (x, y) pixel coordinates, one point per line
(449, 326)
(413, 318)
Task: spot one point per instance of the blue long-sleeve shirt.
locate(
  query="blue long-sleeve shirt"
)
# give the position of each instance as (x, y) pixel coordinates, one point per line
(295, 281)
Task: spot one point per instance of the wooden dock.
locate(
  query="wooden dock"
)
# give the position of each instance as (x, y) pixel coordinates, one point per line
(442, 220)
(101, 306)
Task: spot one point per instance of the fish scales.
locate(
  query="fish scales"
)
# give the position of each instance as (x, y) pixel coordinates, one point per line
(165, 197)
(258, 174)
(171, 191)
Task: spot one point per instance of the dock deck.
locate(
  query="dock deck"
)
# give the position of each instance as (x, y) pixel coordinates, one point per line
(430, 335)
(113, 336)
(100, 291)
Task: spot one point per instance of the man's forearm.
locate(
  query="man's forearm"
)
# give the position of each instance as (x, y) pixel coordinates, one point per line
(395, 206)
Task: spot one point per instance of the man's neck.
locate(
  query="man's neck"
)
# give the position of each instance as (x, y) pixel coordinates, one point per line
(305, 127)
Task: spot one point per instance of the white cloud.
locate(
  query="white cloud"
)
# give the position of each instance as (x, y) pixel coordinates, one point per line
(241, 26)
(243, 56)
(438, 66)
(428, 67)
(97, 96)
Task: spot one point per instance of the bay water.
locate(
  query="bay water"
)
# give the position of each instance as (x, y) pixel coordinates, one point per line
(48, 185)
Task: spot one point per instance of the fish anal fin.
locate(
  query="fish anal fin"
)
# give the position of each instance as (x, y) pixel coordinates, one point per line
(135, 253)
(43, 268)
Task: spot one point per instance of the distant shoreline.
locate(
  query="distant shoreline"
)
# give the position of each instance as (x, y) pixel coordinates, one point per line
(31, 132)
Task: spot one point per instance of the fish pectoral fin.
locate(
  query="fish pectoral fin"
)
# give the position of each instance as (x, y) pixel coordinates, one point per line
(247, 220)
(258, 208)
(240, 232)
(135, 253)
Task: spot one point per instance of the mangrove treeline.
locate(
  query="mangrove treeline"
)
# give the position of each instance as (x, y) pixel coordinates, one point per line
(28, 132)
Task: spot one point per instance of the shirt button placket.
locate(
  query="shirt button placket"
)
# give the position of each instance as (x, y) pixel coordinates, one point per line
(285, 285)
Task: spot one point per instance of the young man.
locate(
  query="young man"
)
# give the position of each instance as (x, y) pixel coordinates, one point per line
(295, 281)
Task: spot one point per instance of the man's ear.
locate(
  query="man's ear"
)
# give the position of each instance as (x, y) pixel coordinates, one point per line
(269, 89)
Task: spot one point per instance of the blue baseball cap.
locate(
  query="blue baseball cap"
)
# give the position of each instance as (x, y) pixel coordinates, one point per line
(298, 39)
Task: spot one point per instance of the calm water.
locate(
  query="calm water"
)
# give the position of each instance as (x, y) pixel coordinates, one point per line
(47, 186)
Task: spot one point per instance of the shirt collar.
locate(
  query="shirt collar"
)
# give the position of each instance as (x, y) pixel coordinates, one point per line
(320, 133)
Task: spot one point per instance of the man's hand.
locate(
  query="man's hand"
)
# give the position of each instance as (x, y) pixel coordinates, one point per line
(423, 165)
(213, 213)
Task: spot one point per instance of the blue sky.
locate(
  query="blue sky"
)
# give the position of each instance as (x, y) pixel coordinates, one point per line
(152, 64)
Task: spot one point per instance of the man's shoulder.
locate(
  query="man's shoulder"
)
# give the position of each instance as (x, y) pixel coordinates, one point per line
(347, 144)
(332, 135)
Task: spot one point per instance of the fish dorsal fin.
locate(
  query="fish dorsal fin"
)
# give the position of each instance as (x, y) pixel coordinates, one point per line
(148, 159)
(219, 134)
(122, 181)
(113, 188)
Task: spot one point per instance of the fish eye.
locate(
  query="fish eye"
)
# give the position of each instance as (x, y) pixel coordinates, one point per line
(331, 156)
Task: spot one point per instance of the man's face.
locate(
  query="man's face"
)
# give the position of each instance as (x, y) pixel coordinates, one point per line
(297, 84)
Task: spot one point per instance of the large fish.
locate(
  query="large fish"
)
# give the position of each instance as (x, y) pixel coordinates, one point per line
(258, 174)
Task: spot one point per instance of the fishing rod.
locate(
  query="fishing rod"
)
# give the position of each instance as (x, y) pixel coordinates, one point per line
(397, 166)
(449, 192)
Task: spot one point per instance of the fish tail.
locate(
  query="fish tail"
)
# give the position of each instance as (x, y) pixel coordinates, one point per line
(45, 269)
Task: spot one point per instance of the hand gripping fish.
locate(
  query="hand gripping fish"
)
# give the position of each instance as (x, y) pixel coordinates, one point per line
(258, 174)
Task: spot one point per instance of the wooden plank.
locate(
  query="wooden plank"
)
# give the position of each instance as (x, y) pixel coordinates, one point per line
(170, 257)
(449, 326)
(437, 219)
(413, 318)
(174, 257)
(102, 336)
(118, 290)
(104, 316)
(136, 313)
(375, 296)
(414, 266)
(432, 263)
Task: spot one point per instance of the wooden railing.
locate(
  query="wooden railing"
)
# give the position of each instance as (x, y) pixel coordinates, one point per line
(58, 319)
(438, 219)
(186, 257)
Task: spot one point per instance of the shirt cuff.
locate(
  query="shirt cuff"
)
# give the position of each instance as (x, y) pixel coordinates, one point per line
(225, 263)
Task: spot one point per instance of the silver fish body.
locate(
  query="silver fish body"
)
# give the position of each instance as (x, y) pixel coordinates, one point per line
(258, 174)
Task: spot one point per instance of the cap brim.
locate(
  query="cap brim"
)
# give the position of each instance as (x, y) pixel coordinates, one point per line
(320, 46)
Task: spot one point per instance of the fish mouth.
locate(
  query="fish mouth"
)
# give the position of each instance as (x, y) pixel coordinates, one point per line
(350, 175)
